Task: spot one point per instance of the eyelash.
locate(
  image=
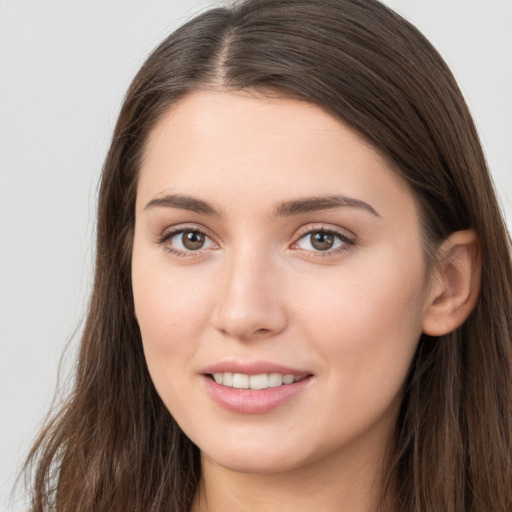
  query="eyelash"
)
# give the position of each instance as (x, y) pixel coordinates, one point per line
(346, 242)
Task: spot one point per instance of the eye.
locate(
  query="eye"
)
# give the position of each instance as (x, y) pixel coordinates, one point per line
(183, 241)
(322, 240)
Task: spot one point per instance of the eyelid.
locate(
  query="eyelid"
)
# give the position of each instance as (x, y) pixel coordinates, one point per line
(190, 226)
(328, 228)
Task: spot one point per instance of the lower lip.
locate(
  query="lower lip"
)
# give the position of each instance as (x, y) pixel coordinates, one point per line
(253, 401)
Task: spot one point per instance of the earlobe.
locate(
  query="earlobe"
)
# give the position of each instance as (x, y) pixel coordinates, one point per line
(455, 284)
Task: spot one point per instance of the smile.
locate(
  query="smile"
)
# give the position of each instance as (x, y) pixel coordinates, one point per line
(258, 393)
(260, 381)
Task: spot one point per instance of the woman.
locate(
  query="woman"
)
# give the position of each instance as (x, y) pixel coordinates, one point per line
(302, 290)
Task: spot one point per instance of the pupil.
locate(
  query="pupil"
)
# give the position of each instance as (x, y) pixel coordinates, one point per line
(193, 240)
(322, 240)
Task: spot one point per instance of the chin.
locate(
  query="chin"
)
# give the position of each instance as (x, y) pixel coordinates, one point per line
(261, 465)
(262, 458)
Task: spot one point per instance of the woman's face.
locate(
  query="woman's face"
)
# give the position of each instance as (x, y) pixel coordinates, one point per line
(273, 245)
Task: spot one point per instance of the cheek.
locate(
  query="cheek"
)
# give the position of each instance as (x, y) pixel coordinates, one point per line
(367, 318)
(366, 326)
(170, 318)
(171, 309)
(164, 295)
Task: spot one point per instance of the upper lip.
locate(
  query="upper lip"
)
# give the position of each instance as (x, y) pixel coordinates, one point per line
(253, 368)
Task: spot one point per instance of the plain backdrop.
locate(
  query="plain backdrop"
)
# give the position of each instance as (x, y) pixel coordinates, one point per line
(64, 68)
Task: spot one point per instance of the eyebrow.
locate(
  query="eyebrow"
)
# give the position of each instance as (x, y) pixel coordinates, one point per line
(314, 204)
(184, 203)
(283, 209)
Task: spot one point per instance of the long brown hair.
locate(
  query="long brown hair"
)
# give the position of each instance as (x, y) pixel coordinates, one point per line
(115, 447)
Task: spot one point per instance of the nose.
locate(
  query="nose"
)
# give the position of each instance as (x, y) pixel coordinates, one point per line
(251, 301)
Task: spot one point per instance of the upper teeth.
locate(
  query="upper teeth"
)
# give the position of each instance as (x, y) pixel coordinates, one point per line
(261, 381)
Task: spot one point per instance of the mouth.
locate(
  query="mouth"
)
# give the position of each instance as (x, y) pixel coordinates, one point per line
(255, 393)
(255, 387)
(255, 382)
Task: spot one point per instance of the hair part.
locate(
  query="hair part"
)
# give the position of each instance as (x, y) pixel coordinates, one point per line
(114, 445)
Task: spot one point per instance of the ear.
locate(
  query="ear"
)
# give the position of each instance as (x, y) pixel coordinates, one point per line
(455, 284)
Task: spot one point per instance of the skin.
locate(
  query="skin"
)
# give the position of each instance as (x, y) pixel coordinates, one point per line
(258, 290)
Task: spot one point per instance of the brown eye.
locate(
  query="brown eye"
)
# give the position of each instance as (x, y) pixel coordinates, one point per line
(187, 242)
(321, 240)
(192, 240)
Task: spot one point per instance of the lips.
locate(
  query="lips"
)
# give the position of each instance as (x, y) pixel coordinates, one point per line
(254, 388)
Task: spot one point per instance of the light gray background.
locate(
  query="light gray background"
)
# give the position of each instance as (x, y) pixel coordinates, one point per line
(64, 67)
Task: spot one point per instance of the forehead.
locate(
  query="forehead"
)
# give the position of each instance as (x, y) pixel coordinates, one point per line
(236, 145)
(228, 119)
